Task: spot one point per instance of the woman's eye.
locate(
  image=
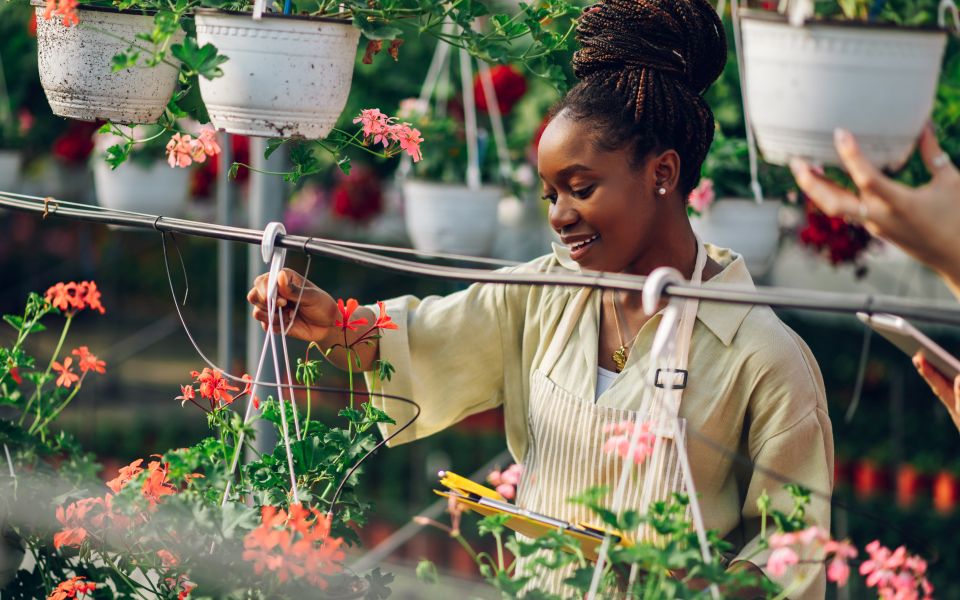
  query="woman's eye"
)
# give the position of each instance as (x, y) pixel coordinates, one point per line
(582, 193)
(552, 198)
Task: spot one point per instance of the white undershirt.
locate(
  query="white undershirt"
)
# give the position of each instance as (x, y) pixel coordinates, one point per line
(605, 379)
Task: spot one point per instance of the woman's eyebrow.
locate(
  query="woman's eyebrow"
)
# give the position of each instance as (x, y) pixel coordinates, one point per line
(567, 171)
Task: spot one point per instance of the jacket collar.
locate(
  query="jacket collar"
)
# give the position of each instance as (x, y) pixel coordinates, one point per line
(721, 318)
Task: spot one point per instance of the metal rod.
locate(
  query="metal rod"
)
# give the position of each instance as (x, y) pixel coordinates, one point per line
(770, 296)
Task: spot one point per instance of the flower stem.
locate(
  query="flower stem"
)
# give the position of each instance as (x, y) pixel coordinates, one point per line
(34, 427)
(46, 374)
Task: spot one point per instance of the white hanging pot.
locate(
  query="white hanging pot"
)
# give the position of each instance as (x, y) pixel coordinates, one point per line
(286, 75)
(10, 162)
(75, 72)
(157, 189)
(452, 218)
(746, 227)
(802, 82)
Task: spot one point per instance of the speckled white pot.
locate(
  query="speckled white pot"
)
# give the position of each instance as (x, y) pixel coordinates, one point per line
(75, 68)
(287, 75)
(10, 162)
(451, 218)
(803, 82)
(749, 229)
(156, 190)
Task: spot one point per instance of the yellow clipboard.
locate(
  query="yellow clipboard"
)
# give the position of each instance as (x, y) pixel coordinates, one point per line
(486, 501)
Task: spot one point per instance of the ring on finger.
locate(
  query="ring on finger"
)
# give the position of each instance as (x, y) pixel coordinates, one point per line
(941, 160)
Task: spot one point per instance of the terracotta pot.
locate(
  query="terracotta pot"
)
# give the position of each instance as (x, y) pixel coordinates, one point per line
(869, 479)
(75, 68)
(802, 82)
(911, 484)
(287, 75)
(946, 492)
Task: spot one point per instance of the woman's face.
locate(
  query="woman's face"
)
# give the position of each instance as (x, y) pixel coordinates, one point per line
(604, 207)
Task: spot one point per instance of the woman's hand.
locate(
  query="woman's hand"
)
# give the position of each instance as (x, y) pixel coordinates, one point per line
(316, 316)
(924, 221)
(949, 393)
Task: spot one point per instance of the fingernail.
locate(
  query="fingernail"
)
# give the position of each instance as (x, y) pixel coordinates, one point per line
(842, 136)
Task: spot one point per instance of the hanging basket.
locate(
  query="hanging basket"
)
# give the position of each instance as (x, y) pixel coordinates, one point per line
(452, 218)
(287, 76)
(156, 190)
(75, 68)
(748, 228)
(802, 82)
(10, 162)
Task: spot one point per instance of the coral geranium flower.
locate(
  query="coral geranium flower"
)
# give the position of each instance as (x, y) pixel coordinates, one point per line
(125, 474)
(383, 320)
(346, 312)
(87, 361)
(155, 486)
(75, 587)
(67, 377)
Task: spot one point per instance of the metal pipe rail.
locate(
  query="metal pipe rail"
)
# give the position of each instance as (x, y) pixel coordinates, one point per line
(770, 296)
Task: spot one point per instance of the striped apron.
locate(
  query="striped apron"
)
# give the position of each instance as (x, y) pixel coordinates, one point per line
(565, 453)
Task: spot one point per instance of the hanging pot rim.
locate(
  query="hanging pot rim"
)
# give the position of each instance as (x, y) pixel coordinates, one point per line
(213, 12)
(852, 24)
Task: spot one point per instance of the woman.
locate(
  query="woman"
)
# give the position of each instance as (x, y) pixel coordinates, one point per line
(618, 160)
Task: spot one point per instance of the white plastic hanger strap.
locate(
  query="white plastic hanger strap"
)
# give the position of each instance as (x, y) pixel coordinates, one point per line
(470, 121)
(946, 5)
(258, 7)
(748, 122)
(496, 118)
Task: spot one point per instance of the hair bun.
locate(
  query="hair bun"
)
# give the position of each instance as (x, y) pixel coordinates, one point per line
(683, 38)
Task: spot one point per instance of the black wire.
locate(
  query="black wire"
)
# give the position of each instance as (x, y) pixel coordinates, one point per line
(317, 388)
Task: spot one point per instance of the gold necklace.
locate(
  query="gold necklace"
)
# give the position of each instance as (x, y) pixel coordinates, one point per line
(620, 354)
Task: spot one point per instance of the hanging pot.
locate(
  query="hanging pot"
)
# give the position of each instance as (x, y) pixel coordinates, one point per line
(802, 82)
(287, 75)
(749, 229)
(156, 189)
(869, 479)
(946, 492)
(75, 68)
(10, 162)
(443, 217)
(911, 484)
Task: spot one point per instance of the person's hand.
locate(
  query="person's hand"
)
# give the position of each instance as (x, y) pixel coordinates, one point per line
(316, 315)
(949, 393)
(924, 221)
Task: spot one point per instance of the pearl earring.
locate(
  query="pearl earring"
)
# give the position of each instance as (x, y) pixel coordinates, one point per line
(662, 191)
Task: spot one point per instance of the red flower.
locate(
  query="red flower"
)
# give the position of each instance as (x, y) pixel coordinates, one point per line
(71, 588)
(32, 24)
(833, 237)
(74, 296)
(124, 476)
(74, 520)
(508, 84)
(357, 196)
(67, 377)
(214, 387)
(167, 558)
(293, 545)
(384, 321)
(87, 361)
(156, 486)
(186, 394)
(76, 144)
(346, 311)
(248, 389)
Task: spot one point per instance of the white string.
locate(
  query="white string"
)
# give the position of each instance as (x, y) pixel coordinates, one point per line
(470, 121)
(946, 5)
(9, 461)
(258, 8)
(286, 362)
(748, 122)
(283, 410)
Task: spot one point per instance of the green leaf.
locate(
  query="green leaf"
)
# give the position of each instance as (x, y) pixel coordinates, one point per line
(118, 154)
(492, 525)
(124, 60)
(203, 61)
(379, 584)
(15, 321)
(427, 572)
(343, 161)
(272, 145)
(233, 171)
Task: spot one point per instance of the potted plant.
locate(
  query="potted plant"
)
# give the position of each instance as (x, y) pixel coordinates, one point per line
(80, 55)
(723, 210)
(845, 65)
(154, 180)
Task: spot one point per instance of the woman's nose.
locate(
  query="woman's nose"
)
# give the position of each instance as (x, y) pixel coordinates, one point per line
(563, 214)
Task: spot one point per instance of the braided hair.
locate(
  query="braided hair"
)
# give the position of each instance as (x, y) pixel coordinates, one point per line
(643, 65)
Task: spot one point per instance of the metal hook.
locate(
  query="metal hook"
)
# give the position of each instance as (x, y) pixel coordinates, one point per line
(655, 284)
(276, 257)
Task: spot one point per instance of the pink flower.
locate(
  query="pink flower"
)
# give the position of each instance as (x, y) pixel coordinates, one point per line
(506, 490)
(410, 141)
(702, 196)
(376, 125)
(506, 481)
(180, 151)
(838, 571)
(208, 141)
(619, 443)
(780, 560)
(895, 574)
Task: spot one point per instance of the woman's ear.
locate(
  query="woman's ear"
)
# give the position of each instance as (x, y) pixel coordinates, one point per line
(666, 172)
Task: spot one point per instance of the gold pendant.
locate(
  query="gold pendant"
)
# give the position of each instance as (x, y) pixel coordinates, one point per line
(620, 358)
